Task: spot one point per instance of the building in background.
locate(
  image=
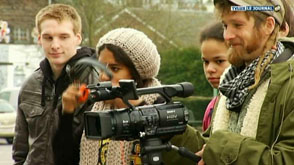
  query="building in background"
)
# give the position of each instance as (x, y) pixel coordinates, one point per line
(20, 16)
(17, 61)
(166, 22)
(19, 54)
(165, 4)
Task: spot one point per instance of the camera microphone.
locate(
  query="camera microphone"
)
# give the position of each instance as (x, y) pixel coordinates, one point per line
(183, 89)
(105, 91)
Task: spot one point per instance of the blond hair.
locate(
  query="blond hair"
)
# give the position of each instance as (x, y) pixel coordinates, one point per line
(268, 45)
(59, 12)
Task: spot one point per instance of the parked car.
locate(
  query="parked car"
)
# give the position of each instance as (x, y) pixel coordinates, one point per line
(10, 95)
(7, 121)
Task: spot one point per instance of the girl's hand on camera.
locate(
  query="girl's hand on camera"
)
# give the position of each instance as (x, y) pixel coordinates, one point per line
(70, 98)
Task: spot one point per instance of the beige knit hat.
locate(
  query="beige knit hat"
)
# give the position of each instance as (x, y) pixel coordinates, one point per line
(141, 50)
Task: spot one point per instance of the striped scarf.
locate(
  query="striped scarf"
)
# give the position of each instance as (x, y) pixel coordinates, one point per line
(236, 82)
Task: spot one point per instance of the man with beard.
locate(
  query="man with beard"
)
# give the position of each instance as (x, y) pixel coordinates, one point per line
(254, 118)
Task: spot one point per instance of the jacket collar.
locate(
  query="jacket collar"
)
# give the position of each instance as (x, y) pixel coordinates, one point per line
(63, 80)
(82, 52)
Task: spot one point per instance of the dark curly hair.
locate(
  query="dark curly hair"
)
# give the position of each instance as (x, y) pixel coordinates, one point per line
(213, 31)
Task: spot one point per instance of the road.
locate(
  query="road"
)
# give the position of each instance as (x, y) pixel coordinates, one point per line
(5, 152)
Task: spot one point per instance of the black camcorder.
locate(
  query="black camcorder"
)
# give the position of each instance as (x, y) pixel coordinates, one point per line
(148, 123)
(145, 121)
(137, 122)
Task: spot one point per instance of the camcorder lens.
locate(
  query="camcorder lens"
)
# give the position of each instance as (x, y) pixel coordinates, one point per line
(127, 124)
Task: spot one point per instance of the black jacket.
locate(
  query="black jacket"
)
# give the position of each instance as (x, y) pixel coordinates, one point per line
(39, 118)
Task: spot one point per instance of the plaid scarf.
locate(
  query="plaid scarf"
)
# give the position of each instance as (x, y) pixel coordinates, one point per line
(236, 83)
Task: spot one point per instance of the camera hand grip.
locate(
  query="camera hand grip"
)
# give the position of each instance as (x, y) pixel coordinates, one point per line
(188, 154)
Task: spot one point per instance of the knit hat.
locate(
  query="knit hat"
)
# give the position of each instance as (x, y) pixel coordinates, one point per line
(278, 8)
(140, 49)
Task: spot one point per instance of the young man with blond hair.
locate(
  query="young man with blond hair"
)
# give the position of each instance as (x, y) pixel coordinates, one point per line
(40, 112)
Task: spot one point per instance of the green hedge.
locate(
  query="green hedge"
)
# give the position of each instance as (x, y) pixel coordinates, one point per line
(181, 65)
(185, 64)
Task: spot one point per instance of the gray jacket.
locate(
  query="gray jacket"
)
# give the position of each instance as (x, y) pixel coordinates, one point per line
(39, 114)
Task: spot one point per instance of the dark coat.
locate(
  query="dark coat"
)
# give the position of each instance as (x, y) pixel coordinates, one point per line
(39, 117)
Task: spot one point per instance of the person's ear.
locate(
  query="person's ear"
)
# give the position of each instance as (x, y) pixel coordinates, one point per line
(284, 31)
(79, 38)
(39, 39)
(269, 25)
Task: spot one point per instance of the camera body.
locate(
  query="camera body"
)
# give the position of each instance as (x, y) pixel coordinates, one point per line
(144, 122)
(139, 122)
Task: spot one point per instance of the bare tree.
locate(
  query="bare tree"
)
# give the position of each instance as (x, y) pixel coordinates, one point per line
(162, 21)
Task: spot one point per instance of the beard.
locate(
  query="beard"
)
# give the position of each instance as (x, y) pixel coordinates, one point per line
(241, 55)
(235, 56)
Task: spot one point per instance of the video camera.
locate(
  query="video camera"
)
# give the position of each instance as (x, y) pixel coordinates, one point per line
(147, 123)
(137, 122)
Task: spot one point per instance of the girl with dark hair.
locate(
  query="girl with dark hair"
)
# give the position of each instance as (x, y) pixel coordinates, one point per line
(128, 54)
(214, 57)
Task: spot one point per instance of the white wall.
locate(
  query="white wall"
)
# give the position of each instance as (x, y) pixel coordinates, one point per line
(24, 58)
